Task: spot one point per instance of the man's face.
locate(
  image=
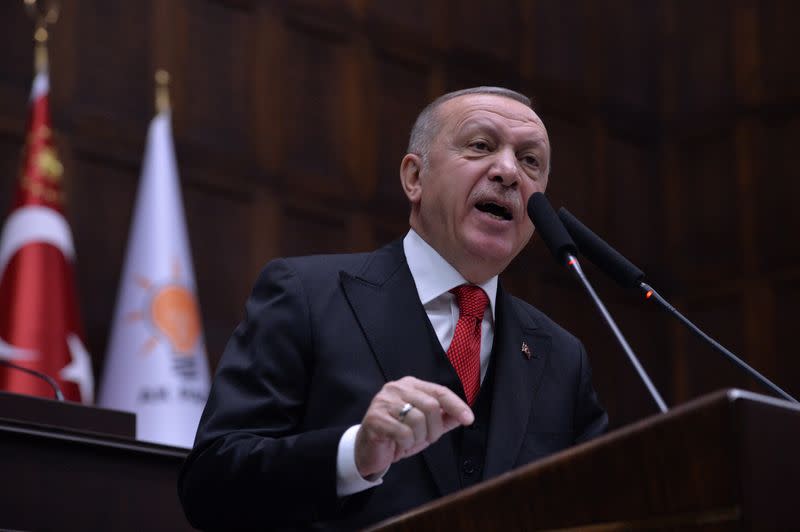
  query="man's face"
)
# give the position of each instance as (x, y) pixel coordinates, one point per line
(469, 201)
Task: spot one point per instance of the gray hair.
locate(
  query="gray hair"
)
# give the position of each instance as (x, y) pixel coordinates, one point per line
(427, 124)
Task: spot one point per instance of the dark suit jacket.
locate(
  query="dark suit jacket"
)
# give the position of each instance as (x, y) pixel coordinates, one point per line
(320, 337)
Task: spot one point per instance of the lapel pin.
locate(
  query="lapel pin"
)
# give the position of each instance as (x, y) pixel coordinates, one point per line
(526, 350)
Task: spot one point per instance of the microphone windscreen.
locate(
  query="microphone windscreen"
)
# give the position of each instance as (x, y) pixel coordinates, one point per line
(549, 227)
(600, 253)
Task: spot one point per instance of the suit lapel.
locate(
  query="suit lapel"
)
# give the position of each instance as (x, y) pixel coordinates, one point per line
(517, 377)
(385, 302)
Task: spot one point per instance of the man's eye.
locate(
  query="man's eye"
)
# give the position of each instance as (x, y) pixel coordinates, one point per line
(480, 145)
(531, 160)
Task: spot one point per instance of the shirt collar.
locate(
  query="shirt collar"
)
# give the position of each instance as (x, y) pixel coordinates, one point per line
(433, 275)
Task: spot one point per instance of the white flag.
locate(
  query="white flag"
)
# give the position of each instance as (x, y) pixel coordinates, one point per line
(156, 363)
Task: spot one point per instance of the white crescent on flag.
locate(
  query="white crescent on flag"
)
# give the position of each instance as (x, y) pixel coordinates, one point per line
(27, 225)
(24, 226)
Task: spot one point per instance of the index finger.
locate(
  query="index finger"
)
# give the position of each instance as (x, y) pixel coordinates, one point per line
(452, 405)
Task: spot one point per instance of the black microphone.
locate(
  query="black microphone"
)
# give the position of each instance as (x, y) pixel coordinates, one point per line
(562, 247)
(600, 253)
(626, 274)
(47, 378)
(551, 230)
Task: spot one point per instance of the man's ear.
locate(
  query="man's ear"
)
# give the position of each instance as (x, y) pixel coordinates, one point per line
(410, 168)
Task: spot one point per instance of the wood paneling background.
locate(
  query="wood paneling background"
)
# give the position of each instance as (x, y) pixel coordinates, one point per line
(674, 127)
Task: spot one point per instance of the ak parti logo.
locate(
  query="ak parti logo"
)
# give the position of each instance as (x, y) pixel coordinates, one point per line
(171, 311)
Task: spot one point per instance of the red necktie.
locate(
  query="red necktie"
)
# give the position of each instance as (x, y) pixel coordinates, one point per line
(465, 349)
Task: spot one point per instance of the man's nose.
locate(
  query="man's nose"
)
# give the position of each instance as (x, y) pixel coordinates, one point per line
(504, 168)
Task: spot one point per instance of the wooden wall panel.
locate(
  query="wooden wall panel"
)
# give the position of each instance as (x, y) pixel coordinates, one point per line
(99, 209)
(555, 26)
(219, 249)
(113, 73)
(268, 92)
(417, 21)
(472, 70)
(674, 126)
(574, 180)
(17, 42)
(709, 203)
(402, 93)
(217, 62)
(645, 327)
(310, 232)
(620, 388)
(777, 32)
(630, 62)
(315, 154)
(10, 150)
(722, 317)
(784, 329)
(335, 17)
(705, 74)
(776, 192)
(390, 228)
(491, 29)
(633, 213)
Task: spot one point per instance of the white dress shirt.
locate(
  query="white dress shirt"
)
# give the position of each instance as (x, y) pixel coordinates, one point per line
(434, 277)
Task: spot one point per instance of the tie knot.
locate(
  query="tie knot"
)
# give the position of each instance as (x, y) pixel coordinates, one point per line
(471, 299)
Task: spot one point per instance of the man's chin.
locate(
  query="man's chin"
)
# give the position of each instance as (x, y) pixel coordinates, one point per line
(491, 250)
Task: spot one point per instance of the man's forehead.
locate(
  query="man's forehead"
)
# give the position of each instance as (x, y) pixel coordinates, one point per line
(463, 108)
(489, 111)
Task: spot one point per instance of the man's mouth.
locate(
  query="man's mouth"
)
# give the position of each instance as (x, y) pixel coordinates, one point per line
(495, 210)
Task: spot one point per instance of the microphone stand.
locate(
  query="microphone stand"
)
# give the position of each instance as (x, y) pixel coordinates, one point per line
(574, 266)
(47, 378)
(651, 294)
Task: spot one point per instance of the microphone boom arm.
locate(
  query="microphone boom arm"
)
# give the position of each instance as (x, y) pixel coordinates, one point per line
(59, 396)
(651, 294)
(574, 266)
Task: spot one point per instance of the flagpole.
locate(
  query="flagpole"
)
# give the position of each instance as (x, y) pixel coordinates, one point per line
(40, 324)
(162, 103)
(43, 15)
(156, 364)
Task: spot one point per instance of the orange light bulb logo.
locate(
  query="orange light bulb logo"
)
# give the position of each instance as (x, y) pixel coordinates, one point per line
(175, 314)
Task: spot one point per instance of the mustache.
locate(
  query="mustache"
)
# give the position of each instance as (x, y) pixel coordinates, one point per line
(511, 199)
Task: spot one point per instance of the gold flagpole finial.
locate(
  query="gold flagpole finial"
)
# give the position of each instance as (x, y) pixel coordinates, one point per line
(44, 15)
(162, 91)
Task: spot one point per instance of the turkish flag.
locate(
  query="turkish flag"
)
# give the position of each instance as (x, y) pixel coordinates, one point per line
(40, 326)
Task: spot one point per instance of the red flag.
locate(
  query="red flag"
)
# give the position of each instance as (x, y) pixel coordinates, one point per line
(40, 326)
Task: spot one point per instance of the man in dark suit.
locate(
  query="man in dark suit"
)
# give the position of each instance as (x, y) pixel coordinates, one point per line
(360, 386)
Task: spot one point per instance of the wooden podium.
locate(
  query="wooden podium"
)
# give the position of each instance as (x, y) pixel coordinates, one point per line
(727, 461)
(66, 466)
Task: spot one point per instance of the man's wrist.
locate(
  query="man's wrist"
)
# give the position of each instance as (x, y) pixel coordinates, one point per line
(348, 479)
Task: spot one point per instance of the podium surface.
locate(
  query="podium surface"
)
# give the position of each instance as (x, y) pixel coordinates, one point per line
(67, 466)
(727, 461)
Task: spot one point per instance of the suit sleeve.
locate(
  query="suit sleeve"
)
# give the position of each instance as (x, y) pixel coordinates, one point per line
(252, 464)
(590, 419)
